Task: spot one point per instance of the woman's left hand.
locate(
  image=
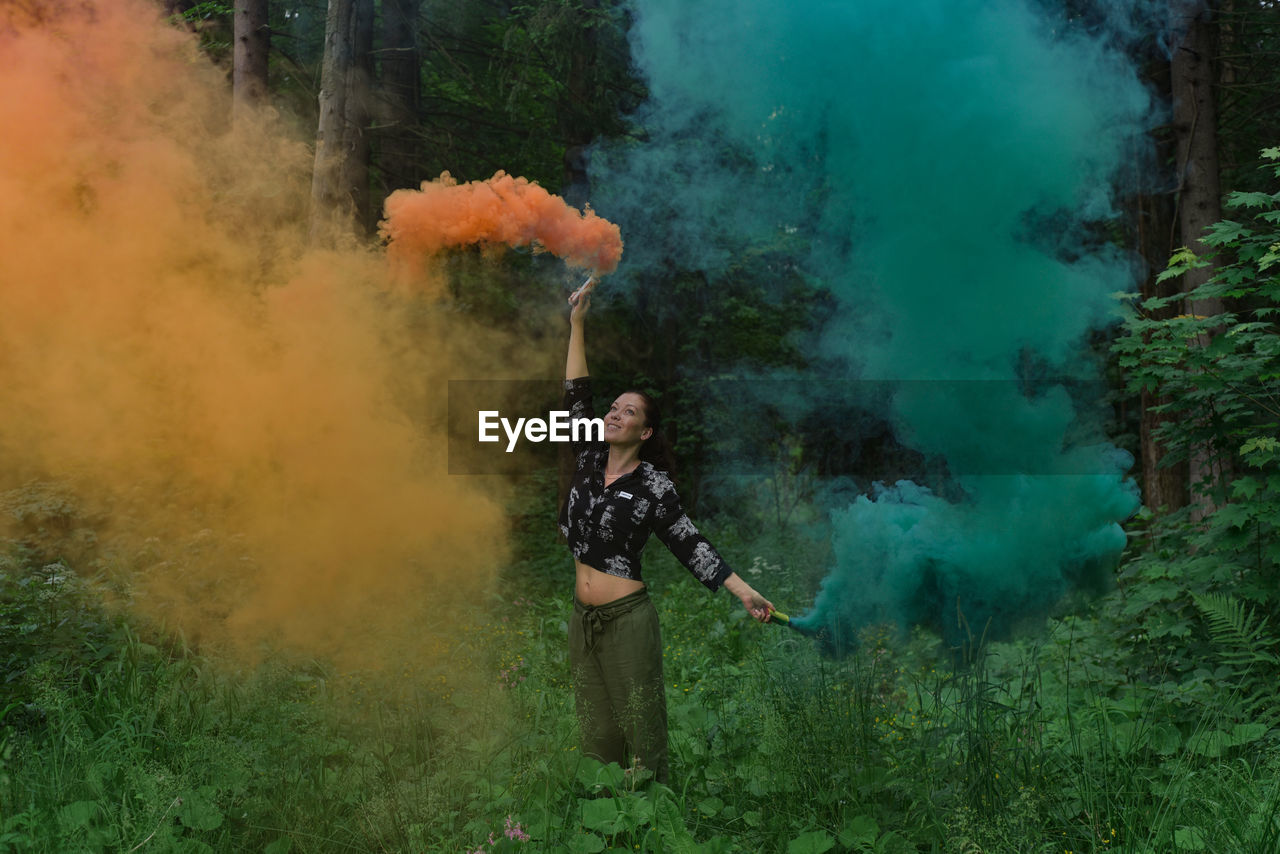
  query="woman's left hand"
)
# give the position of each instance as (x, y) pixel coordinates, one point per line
(757, 606)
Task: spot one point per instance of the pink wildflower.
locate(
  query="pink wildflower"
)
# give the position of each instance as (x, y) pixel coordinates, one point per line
(515, 831)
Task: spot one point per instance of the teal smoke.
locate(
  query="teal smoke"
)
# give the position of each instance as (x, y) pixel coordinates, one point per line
(943, 159)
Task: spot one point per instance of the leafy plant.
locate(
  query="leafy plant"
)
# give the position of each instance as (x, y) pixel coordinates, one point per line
(1220, 376)
(1221, 373)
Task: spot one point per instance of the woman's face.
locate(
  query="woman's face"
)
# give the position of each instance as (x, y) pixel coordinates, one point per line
(625, 422)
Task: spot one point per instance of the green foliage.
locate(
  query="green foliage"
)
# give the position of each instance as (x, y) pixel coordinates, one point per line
(1247, 100)
(212, 21)
(1192, 623)
(46, 522)
(1242, 353)
(509, 86)
(49, 620)
(1219, 374)
(905, 746)
(512, 86)
(1239, 629)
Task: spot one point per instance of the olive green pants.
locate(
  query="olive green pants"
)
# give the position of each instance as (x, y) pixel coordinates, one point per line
(615, 651)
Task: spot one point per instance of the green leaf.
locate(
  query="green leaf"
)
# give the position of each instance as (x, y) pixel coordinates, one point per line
(585, 844)
(1272, 257)
(1247, 733)
(596, 775)
(600, 814)
(1224, 232)
(1250, 200)
(283, 845)
(667, 818)
(859, 830)
(1209, 744)
(892, 843)
(1245, 487)
(811, 842)
(1165, 739)
(1233, 515)
(78, 814)
(1259, 443)
(198, 812)
(1189, 838)
(669, 824)
(710, 806)
(636, 811)
(186, 845)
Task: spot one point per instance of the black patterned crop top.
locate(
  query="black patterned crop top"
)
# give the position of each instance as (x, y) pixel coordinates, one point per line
(607, 527)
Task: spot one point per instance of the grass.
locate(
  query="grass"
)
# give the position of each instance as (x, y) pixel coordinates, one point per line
(115, 739)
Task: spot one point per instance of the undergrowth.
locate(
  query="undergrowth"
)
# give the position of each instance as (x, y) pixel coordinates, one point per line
(1090, 736)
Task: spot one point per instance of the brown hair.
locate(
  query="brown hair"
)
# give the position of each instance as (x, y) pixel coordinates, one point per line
(656, 450)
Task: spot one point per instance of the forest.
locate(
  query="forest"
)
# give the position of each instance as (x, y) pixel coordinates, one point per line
(964, 317)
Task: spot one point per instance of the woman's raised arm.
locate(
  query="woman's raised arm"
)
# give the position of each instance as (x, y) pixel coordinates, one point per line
(579, 301)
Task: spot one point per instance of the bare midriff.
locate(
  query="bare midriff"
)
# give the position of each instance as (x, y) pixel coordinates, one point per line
(594, 587)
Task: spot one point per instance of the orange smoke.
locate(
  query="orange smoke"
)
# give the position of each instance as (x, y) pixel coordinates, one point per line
(503, 209)
(254, 430)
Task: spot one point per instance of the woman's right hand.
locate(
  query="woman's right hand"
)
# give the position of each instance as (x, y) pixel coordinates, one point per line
(580, 300)
(576, 362)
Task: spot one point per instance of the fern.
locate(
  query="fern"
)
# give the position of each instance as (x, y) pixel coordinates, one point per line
(1241, 633)
(1246, 643)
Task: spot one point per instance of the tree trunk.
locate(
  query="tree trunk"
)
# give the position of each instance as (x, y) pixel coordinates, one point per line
(1195, 121)
(574, 128)
(252, 39)
(340, 180)
(355, 166)
(1163, 487)
(1193, 78)
(402, 95)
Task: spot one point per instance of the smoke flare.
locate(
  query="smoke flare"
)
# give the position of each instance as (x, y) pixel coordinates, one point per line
(503, 209)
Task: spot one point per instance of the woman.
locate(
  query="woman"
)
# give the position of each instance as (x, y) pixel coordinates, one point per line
(617, 497)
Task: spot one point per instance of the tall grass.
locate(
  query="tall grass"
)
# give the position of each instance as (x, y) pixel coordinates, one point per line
(113, 739)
